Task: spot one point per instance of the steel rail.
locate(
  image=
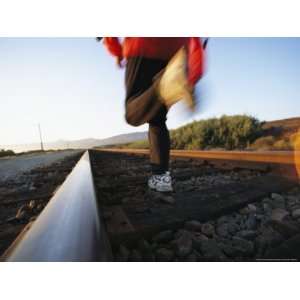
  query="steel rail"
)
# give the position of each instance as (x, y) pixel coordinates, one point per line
(276, 157)
(69, 228)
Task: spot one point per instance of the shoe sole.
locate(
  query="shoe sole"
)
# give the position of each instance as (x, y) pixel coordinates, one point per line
(184, 92)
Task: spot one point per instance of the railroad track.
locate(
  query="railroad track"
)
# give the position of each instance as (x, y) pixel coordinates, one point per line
(273, 157)
(222, 209)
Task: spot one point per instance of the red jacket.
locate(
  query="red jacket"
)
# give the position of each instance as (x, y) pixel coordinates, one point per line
(160, 48)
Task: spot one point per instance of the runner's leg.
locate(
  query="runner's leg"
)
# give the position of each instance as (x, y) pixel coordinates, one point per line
(142, 103)
(159, 143)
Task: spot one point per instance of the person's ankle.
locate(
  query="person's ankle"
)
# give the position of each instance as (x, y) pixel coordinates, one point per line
(158, 172)
(158, 169)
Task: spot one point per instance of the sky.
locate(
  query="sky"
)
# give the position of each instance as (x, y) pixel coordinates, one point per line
(72, 87)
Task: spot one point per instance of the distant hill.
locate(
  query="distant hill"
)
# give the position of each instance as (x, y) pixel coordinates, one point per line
(279, 135)
(80, 144)
(122, 139)
(281, 128)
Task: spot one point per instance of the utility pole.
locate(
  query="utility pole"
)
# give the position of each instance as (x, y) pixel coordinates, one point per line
(42, 146)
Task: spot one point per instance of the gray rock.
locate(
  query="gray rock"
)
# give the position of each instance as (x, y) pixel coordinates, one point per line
(200, 236)
(163, 236)
(292, 201)
(237, 248)
(268, 237)
(167, 199)
(232, 228)
(222, 230)
(296, 213)
(197, 241)
(277, 201)
(266, 200)
(163, 254)
(181, 232)
(142, 209)
(184, 245)
(228, 249)
(294, 207)
(193, 225)
(208, 229)
(279, 214)
(144, 246)
(238, 218)
(125, 200)
(286, 228)
(154, 246)
(293, 198)
(243, 247)
(251, 222)
(289, 249)
(267, 207)
(247, 234)
(211, 250)
(145, 249)
(148, 255)
(123, 254)
(222, 220)
(276, 196)
(244, 211)
(135, 256)
(193, 257)
(252, 208)
(32, 187)
(260, 217)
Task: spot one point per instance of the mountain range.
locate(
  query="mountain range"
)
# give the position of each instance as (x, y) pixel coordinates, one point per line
(80, 144)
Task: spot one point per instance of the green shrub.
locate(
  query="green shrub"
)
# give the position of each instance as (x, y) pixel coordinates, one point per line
(283, 144)
(263, 143)
(295, 138)
(229, 132)
(6, 153)
(270, 143)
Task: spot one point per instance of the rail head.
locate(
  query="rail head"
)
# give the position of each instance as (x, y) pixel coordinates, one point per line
(274, 157)
(69, 228)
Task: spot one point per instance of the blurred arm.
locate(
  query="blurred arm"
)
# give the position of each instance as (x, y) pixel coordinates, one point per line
(113, 46)
(195, 60)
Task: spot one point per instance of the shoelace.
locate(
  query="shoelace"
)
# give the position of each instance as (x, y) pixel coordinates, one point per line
(163, 177)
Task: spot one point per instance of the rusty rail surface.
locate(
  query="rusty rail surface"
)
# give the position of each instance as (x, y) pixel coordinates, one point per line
(276, 157)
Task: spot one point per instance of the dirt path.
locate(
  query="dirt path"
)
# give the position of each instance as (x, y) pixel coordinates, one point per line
(14, 166)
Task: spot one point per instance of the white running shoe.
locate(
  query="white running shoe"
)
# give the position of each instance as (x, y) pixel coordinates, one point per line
(173, 84)
(161, 183)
